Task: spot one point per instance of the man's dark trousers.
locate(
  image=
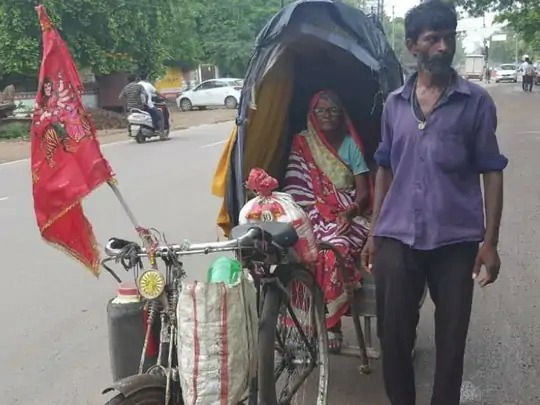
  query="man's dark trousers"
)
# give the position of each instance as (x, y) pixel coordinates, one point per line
(156, 117)
(400, 275)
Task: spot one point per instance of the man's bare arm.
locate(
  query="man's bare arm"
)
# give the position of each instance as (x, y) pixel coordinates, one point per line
(493, 197)
(383, 180)
(488, 263)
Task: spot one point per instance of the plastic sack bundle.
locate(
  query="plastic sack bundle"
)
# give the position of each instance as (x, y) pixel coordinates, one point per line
(272, 206)
(217, 341)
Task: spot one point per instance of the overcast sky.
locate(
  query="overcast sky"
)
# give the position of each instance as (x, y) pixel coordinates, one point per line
(473, 26)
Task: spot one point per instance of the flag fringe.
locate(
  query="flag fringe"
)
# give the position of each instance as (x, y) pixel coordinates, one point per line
(94, 268)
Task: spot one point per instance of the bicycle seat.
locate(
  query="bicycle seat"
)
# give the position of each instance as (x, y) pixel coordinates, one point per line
(282, 234)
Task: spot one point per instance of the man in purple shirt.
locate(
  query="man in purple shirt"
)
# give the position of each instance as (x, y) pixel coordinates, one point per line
(438, 140)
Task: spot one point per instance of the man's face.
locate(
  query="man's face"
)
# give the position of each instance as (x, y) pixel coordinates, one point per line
(434, 51)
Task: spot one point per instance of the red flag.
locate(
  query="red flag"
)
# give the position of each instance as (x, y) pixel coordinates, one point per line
(67, 163)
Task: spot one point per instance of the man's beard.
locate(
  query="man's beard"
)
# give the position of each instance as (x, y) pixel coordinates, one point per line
(439, 65)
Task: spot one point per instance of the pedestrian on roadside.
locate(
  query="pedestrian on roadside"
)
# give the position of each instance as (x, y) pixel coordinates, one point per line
(528, 75)
(428, 226)
(488, 74)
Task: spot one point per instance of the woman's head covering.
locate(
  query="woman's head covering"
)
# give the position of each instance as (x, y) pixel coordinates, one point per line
(330, 96)
(322, 144)
(313, 123)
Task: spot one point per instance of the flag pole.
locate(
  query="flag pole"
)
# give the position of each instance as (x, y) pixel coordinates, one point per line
(144, 234)
(112, 184)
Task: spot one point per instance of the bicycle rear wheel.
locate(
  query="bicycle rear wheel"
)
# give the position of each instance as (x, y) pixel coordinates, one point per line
(293, 343)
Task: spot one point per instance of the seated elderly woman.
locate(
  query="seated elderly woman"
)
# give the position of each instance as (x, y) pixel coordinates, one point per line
(328, 177)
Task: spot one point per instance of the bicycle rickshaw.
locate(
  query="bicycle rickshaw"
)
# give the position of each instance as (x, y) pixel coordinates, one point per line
(309, 46)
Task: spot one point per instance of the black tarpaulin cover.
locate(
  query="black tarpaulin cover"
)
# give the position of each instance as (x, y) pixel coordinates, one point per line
(307, 46)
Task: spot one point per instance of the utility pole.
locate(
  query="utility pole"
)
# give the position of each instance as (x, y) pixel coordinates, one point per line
(486, 50)
(517, 55)
(393, 27)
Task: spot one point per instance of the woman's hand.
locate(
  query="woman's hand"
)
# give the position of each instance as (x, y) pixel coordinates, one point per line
(344, 221)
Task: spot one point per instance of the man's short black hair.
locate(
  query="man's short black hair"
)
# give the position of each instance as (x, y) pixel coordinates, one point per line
(132, 77)
(143, 76)
(433, 15)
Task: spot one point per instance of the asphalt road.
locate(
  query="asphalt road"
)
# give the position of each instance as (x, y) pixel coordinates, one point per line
(54, 339)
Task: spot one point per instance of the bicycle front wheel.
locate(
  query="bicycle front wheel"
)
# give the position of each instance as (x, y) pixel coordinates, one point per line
(293, 343)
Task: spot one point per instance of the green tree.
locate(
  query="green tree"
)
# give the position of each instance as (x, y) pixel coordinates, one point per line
(505, 51)
(460, 55)
(395, 33)
(106, 35)
(227, 30)
(523, 16)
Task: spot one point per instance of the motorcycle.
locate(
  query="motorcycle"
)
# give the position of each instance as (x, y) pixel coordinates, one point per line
(140, 124)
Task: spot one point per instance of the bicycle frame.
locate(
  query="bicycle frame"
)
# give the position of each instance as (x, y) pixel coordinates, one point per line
(265, 273)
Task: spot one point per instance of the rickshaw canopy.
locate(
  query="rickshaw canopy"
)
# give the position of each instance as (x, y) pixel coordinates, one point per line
(308, 46)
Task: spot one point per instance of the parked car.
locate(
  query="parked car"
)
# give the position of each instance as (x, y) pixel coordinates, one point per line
(212, 93)
(506, 72)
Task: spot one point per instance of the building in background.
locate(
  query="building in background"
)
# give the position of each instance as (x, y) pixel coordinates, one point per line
(176, 80)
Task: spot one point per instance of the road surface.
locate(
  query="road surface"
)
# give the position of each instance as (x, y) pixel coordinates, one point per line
(54, 337)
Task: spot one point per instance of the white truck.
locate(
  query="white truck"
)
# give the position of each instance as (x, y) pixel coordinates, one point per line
(474, 67)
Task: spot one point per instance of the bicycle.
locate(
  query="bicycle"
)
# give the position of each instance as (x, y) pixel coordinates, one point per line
(293, 344)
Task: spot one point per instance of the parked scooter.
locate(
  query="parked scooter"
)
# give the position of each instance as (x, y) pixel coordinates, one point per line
(140, 122)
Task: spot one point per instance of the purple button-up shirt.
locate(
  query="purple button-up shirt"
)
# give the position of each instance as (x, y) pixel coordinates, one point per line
(435, 198)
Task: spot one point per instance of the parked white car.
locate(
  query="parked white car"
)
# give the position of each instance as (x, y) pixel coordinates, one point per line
(506, 72)
(212, 93)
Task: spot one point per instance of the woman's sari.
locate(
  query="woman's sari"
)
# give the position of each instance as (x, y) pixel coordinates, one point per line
(324, 186)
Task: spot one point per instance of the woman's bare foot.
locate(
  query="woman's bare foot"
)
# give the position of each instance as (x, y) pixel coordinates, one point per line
(335, 339)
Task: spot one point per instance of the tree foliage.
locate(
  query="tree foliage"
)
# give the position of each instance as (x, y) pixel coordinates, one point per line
(106, 35)
(120, 35)
(523, 16)
(227, 30)
(395, 32)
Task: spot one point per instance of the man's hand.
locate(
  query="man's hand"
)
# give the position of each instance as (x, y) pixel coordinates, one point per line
(487, 265)
(367, 254)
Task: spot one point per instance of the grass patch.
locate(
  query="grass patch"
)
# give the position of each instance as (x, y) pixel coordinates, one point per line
(15, 130)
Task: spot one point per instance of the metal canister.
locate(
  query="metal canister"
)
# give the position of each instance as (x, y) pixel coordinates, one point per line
(126, 319)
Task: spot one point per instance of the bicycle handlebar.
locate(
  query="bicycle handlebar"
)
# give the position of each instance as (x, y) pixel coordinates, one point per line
(112, 249)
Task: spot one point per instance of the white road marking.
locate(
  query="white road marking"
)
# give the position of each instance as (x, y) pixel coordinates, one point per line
(213, 144)
(529, 133)
(14, 162)
(4, 198)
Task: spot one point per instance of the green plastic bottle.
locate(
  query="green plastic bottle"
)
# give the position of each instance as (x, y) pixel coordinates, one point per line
(224, 270)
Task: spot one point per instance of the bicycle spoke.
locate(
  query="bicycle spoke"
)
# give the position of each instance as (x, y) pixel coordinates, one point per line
(295, 335)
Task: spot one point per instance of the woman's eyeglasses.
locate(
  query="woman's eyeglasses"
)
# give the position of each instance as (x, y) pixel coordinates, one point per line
(323, 111)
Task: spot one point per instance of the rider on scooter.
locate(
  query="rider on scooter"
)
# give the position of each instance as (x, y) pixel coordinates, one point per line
(150, 107)
(133, 94)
